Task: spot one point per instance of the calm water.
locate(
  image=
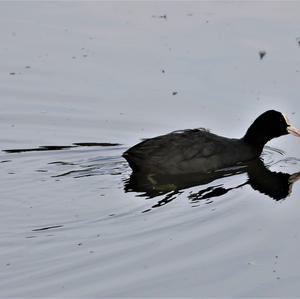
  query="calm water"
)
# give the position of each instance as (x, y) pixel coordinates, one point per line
(82, 82)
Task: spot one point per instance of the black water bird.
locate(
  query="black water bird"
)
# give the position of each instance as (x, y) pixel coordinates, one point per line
(199, 151)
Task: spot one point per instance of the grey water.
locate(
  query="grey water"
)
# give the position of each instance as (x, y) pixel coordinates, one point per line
(81, 82)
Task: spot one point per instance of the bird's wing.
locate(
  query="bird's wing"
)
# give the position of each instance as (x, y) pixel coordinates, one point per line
(180, 145)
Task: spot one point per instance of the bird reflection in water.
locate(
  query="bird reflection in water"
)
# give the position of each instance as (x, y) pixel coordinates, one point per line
(277, 185)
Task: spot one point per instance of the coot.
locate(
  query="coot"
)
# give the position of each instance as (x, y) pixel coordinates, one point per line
(199, 151)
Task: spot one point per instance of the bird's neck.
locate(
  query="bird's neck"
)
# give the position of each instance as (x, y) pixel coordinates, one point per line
(256, 139)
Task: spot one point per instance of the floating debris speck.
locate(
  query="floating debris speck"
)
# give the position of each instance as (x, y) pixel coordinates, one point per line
(262, 54)
(160, 16)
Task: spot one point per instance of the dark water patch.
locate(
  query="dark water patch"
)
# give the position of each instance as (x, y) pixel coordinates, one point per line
(83, 175)
(74, 172)
(167, 199)
(46, 228)
(270, 149)
(102, 168)
(61, 163)
(102, 165)
(210, 192)
(60, 147)
(83, 160)
(5, 161)
(96, 144)
(152, 185)
(275, 185)
(38, 149)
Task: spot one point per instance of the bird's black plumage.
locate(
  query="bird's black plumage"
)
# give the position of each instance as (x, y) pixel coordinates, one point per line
(198, 150)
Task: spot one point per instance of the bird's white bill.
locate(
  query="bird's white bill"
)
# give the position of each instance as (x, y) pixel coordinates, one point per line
(292, 130)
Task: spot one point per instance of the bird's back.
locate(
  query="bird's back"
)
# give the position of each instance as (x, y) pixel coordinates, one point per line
(186, 151)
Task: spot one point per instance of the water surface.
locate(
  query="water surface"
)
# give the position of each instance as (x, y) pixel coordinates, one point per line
(80, 83)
